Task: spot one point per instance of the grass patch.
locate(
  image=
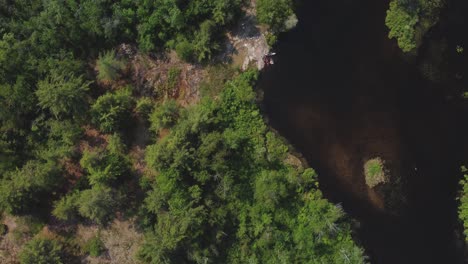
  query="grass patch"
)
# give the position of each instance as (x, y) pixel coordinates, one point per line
(173, 77)
(217, 76)
(374, 171)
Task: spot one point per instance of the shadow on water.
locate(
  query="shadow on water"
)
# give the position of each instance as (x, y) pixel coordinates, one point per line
(341, 92)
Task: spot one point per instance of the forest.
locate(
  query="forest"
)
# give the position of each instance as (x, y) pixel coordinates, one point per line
(102, 139)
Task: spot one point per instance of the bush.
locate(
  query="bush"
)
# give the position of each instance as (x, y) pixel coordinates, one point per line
(144, 106)
(111, 111)
(409, 21)
(109, 67)
(375, 172)
(402, 23)
(94, 246)
(164, 115)
(185, 50)
(275, 13)
(104, 166)
(66, 209)
(97, 204)
(463, 207)
(27, 226)
(25, 189)
(63, 93)
(3, 229)
(41, 251)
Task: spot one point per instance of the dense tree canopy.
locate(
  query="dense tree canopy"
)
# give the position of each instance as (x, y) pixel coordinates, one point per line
(225, 195)
(214, 187)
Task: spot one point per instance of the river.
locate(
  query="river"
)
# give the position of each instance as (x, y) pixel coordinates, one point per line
(341, 92)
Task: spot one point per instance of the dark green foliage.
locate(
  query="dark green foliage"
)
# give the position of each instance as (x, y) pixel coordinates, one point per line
(41, 251)
(409, 20)
(185, 50)
(164, 115)
(224, 194)
(94, 246)
(66, 209)
(189, 27)
(275, 13)
(3, 229)
(463, 207)
(106, 166)
(402, 26)
(24, 189)
(144, 107)
(173, 77)
(62, 93)
(109, 66)
(111, 111)
(98, 204)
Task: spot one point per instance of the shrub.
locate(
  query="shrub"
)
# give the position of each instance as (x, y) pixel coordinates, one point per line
(3, 229)
(144, 106)
(66, 208)
(94, 246)
(63, 93)
(41, 251)
(185, 50)
(164, 115)
(275, 13)
(463, 207)
(111, 111)
(375, 172)
(104, 166)
(22, 190)
(409, 21)
(401, 23)
(97, 204)
(109, 67)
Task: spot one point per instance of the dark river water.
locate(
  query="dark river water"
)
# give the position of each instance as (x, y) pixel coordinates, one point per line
(341, 92)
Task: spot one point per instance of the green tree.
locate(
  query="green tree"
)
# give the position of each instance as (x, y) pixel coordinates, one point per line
(66, 209)
(63, 93)
(25, 189)
(402, 21)
(275, 13)
(106, 166)
(98, 204)
(410, 20)
(203, 44)
(41, 251)
(111, 111)
(164, 115)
